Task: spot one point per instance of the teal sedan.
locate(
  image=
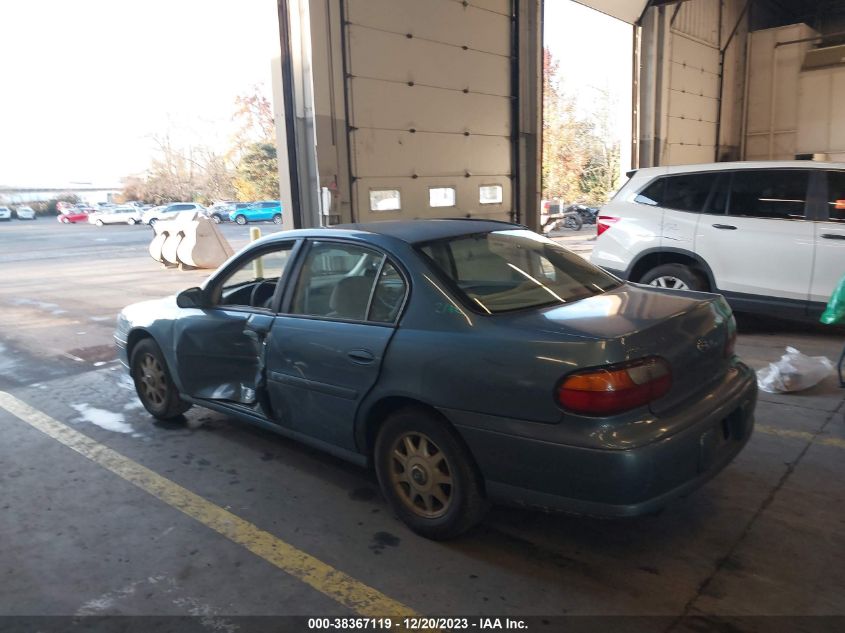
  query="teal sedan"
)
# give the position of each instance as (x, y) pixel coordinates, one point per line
(266, 211)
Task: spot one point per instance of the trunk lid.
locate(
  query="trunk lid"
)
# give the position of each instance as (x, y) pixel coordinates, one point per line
(689, 330)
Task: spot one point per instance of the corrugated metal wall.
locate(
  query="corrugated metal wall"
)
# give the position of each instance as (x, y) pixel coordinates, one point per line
(430, 107)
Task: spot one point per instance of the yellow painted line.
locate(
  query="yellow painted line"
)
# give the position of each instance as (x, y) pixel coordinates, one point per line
(335, 584)
(800, 435)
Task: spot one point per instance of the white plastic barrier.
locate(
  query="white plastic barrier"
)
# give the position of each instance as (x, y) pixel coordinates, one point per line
(190, 240)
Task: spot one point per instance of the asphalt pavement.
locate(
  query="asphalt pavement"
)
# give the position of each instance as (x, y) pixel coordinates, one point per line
(81, 536)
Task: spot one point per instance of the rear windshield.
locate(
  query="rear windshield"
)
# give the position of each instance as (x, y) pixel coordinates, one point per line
(510, 270)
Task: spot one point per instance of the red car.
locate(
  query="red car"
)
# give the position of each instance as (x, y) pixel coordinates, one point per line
(73, 215)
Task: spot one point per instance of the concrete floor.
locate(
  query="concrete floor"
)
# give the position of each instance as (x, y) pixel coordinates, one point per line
(763, 538)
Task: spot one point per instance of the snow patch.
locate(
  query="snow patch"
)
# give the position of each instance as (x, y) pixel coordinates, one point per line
(107, 420)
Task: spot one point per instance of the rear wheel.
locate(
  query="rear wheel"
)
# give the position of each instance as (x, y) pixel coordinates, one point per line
(216, 219)
(99, 223)
(155, 388)
(152, 221)
(427, 475)
(240, 220)
(130, 221)
(573, 221)
(675, 277)
(277, 219)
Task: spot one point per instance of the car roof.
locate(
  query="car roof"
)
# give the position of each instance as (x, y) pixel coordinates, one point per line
(419, 231)
(746, 164)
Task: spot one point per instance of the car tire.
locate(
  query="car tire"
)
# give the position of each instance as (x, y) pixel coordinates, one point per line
(152, 221)
(99, 223)
(153, 383)
(130, 221)
(437, 509)
(241, 220)
(675, 277)
(277, 219)
(216, 219)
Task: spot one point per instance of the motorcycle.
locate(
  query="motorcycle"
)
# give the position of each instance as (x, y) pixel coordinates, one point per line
(587, 214)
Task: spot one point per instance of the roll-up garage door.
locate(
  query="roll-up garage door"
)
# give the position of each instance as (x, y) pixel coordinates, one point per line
(430, 108)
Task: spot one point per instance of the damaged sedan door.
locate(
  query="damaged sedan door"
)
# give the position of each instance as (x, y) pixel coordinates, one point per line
(220, 348)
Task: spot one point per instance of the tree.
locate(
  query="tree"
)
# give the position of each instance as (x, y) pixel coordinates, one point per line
(564, 138)
(601, 173)
(52, 204)
(580, 152)
(258, 173)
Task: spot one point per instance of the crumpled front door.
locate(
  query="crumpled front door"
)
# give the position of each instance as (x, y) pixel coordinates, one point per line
(220, 354)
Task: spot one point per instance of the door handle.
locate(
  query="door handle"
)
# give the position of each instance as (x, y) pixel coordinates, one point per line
(833, 236)
(727, 227)
(361, 356)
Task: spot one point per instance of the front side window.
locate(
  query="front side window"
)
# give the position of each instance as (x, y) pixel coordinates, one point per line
(777, 194)
(337, 281)
(253, 282)
(836, 196)
(509, 270)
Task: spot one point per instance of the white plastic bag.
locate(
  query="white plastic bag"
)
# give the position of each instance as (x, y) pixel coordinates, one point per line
(794, 372)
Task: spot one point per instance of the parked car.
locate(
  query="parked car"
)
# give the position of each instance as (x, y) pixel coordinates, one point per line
(25, 213)
(125, 214)
(219, 211)
(767, 235)
(5, 214)
(168, 212)
(468, 361)
(266, 211)
(74, 215)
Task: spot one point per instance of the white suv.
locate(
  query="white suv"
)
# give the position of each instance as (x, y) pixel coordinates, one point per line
(770, 236)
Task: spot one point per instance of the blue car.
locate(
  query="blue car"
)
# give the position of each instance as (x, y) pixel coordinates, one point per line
(266, 211)
(467, 361)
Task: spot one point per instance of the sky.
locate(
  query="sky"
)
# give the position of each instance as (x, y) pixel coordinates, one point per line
(85, 85)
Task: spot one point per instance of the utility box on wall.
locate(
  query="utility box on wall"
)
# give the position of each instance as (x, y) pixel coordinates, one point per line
(775, 57)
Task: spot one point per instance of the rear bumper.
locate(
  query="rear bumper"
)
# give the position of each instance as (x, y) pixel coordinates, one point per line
(607, 482)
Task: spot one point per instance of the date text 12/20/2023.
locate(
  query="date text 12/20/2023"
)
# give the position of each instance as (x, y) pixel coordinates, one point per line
(417, 624)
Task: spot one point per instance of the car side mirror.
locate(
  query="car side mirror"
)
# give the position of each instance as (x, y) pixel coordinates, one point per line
(191, 298)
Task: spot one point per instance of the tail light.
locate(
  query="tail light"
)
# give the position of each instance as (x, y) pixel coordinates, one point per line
(617, 388)
(604, 223)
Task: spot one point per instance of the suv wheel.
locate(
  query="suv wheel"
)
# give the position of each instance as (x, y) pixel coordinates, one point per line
(675, 277)
(240, 220)
(427, 475)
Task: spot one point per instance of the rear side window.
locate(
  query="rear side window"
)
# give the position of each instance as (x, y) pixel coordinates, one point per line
(653, 194)
(836, 196)
(514, 270)
(684, 192)
(777, 194)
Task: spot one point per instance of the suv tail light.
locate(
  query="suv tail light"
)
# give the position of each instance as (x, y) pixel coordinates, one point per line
(617, 388)
(604, 223)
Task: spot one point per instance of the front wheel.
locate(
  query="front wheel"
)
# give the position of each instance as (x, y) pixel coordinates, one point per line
(675, 277)
(277, 219)
(240, 220)
(216, 219)
(130, 221)
(99, 223)
(427, 475)
(155, 388)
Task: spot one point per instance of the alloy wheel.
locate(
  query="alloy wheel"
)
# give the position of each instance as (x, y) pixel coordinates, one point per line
(421, 475)
(667, 281)
(153, 381)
